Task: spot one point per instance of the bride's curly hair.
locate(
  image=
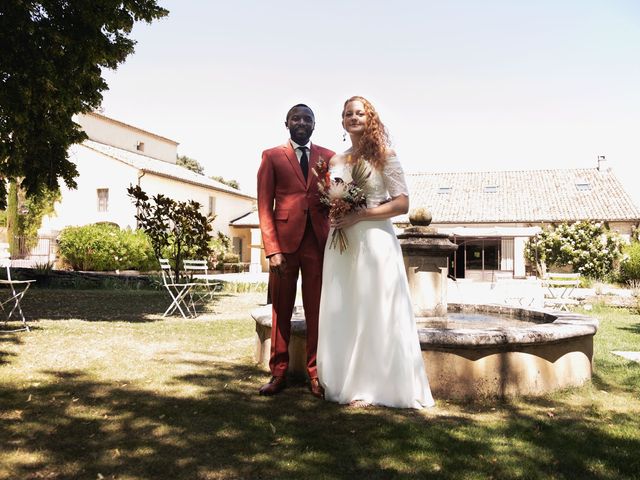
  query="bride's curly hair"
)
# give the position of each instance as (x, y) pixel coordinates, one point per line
(374, 142)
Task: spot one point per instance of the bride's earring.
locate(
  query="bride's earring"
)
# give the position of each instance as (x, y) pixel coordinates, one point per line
(344, 137)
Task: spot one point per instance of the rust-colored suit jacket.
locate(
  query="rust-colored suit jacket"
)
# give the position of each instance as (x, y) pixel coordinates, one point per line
(284, 199)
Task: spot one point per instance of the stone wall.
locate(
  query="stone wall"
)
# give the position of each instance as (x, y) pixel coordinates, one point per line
(73, 279)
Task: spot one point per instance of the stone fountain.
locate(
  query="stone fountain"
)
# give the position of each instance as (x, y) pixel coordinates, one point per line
(470, 350)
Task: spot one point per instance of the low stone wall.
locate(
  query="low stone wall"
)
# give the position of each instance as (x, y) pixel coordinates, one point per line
(75, 279)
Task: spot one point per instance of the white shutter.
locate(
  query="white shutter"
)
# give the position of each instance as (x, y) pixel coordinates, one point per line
(506, 262)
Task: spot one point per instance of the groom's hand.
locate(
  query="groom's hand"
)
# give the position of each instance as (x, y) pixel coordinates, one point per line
(277, 263)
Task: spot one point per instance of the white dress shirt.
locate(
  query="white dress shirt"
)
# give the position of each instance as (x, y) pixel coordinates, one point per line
(298, 151)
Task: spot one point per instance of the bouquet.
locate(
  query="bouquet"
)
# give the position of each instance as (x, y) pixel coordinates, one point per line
(342, 196)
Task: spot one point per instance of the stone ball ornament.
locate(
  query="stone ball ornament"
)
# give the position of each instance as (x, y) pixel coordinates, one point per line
(420, 217)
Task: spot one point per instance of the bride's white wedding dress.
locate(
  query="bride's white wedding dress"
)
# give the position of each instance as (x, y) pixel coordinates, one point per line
(368, 347)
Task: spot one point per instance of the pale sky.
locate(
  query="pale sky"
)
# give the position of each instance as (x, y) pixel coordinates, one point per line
(461, 85)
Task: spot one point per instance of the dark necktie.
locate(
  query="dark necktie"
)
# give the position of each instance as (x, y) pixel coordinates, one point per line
(304, 162)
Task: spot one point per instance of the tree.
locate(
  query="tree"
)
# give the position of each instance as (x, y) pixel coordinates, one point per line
(53, 53)
(190, 163)
(12, 217)
(176, 229)
(33, 209)
(230, 183)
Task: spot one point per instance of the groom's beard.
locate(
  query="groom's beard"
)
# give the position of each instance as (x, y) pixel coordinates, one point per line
(301, 134)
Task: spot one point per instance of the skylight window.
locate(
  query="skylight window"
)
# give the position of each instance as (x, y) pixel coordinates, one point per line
(491, 189)
(444, 190)
(583, 185)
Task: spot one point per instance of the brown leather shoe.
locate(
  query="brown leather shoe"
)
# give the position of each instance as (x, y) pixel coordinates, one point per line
(316, 388)
(275, 385)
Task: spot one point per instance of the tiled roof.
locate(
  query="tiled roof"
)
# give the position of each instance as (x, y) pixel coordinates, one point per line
(131, 127)
(159, 167)
(522, 196)
(249, 219)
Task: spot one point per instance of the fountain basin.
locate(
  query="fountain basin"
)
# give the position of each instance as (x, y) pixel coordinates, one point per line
(553, 351)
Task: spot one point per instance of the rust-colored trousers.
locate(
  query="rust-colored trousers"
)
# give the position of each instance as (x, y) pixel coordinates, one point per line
(308, 260)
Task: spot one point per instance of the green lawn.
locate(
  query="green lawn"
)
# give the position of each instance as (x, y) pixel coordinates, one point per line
(102, 387)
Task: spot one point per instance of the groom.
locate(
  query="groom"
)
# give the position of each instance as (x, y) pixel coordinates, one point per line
(294, 230)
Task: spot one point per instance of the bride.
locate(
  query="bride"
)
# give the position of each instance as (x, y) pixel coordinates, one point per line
(368, 347)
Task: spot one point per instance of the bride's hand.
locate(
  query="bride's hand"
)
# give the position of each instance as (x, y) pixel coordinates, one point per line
(347, 220)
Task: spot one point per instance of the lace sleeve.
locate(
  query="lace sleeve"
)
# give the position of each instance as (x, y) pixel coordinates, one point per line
(394, 178)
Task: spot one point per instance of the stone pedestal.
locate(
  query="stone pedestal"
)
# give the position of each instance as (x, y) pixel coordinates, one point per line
(426, 259)
(297, 342)
(428, 286)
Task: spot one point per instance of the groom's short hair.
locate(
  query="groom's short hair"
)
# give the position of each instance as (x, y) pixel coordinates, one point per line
(296, 106)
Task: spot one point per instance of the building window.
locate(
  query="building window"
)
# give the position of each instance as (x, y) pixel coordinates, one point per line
(212, 205)
(103, 199)
(583, 186)
(444, 190)
(491, 189)
(140, 146)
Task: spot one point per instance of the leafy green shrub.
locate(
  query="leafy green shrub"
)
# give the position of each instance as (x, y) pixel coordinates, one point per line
(231, 258)
(588, 247)
(103, 247)
(220, 246)
(630, 265)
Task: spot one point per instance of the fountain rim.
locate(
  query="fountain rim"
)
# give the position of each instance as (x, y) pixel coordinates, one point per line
(547, 327)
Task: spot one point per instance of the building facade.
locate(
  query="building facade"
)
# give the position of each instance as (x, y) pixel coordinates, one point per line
(118, 155)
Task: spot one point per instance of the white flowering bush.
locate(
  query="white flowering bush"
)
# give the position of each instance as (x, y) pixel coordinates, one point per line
(590, 248)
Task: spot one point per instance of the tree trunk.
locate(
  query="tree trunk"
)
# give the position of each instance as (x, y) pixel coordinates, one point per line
(12, 217)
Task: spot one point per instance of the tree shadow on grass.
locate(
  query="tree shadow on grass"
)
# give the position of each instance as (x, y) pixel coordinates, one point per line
(7, 337)
(623, 376)
(95, 305)
(79, 428)
(634, 328)
(565, 442)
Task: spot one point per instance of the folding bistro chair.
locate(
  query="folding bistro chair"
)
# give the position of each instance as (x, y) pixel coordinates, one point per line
(180, 292)
(17, 289)
(207, 287)
(560, 290)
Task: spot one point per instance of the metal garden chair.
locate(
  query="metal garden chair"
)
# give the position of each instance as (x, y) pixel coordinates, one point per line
(207, 288)
(180, 292)
(17, 289)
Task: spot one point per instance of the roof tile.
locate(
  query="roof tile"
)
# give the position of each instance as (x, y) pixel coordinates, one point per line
(522, 196)
(160, 167)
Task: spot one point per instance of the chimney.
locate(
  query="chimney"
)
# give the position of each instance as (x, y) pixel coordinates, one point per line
(602, 164)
